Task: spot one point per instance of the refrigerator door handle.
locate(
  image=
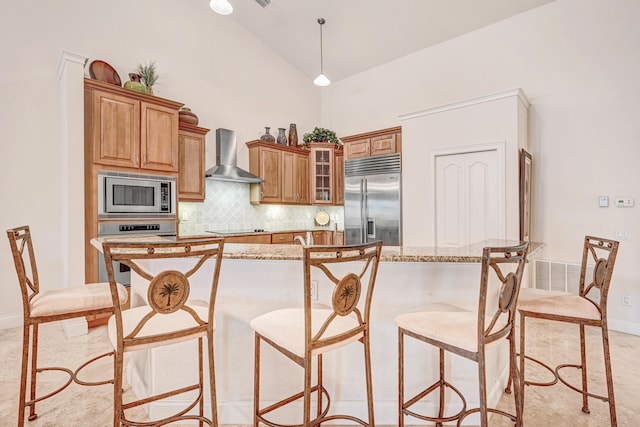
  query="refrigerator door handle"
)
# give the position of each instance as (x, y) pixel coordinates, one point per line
(363, 210)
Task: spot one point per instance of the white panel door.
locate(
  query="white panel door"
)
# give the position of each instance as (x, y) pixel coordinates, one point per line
(467, 202)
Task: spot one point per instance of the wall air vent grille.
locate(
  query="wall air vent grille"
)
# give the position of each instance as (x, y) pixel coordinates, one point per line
(388, 163)
(558, 276)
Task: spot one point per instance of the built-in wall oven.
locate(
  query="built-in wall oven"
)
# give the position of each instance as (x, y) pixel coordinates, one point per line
(134, 205)
(141, 229)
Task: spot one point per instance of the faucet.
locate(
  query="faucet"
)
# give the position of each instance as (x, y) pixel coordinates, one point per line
(305, 242)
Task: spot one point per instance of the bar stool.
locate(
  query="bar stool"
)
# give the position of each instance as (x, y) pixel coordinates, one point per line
(588, 308)
(52, 305)
(169, 318)
(301, 334)
(467, 334)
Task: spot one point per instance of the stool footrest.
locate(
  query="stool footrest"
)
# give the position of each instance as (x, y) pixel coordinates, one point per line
(545, 366)
(435, 386)
(293, 398)
(574, 388)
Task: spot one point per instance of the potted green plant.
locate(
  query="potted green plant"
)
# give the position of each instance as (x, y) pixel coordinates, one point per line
(321, 135)
(149, 75)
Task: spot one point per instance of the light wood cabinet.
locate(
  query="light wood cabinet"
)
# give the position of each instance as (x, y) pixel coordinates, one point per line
(323, 237)
(282, 238)
(295, 178)
(129, 129)
(285, 171)
(264, 239)
(384, 141)
(322, 173)
(339, 177)
(191, 158)
(265, 162)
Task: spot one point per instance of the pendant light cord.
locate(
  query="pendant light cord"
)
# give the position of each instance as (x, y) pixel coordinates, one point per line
(321, 21)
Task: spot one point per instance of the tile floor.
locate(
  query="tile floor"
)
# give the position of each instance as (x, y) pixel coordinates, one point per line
(544, 406)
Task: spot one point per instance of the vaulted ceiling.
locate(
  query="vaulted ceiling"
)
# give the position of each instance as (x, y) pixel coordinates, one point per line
(361, 34)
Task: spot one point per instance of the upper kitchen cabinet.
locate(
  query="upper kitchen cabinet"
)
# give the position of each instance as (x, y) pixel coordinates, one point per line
(384, 141)
(285, 171)
(130, 129)
(295, 177)
(322, 173)
(191, 155)
(265, 161)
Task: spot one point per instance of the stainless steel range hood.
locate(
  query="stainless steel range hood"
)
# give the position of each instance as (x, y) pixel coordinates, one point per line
(226, 157)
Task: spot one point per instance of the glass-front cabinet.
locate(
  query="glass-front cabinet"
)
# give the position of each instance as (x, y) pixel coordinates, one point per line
(322, 176)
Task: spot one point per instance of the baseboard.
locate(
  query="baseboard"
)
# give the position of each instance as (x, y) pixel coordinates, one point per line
(624, 326)
(11, 321)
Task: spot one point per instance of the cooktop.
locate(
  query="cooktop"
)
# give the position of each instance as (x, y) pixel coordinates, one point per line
(243, 231)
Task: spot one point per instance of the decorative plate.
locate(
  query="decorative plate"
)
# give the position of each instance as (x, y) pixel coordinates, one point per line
(322, 218)
(100, 70)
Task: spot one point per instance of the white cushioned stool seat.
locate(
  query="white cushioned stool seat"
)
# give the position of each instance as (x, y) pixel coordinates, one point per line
(564, 305)
(74, 298)
(286, 328)
(527, 294)
(457, 328)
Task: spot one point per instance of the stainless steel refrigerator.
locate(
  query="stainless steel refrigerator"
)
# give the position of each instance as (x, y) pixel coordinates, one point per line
(373, 200)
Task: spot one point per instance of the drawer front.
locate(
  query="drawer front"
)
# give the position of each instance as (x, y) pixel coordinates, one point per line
(259, 238)
(282, 238)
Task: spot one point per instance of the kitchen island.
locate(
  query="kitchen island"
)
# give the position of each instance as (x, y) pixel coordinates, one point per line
(255, 279)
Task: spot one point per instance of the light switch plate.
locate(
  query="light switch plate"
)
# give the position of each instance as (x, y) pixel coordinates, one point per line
(603, 201)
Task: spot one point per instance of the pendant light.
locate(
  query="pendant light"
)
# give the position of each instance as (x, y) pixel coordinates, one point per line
(223, 7)
(321, 80)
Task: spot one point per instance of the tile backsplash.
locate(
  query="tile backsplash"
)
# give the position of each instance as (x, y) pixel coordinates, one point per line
(226, 207)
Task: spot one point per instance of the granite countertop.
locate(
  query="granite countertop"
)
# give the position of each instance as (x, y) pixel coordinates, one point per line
(254, 233)
(465, 254)
(273, 252)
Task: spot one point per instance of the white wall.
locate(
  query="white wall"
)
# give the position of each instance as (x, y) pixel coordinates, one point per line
(228, 78)
(577, 61)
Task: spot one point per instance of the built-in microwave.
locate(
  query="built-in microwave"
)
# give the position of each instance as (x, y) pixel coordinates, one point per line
(127, 195)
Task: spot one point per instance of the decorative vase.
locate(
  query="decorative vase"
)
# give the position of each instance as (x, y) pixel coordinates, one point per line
(293, 135)
(186, 116)
(282, 138)
(267, 136)
(149, 90)
(135, 84)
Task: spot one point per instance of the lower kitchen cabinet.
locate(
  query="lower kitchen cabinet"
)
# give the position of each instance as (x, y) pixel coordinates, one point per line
(258, 238)
(323, 237)
(282, 238)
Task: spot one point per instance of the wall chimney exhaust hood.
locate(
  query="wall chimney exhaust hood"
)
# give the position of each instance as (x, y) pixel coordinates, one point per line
(226, 157)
